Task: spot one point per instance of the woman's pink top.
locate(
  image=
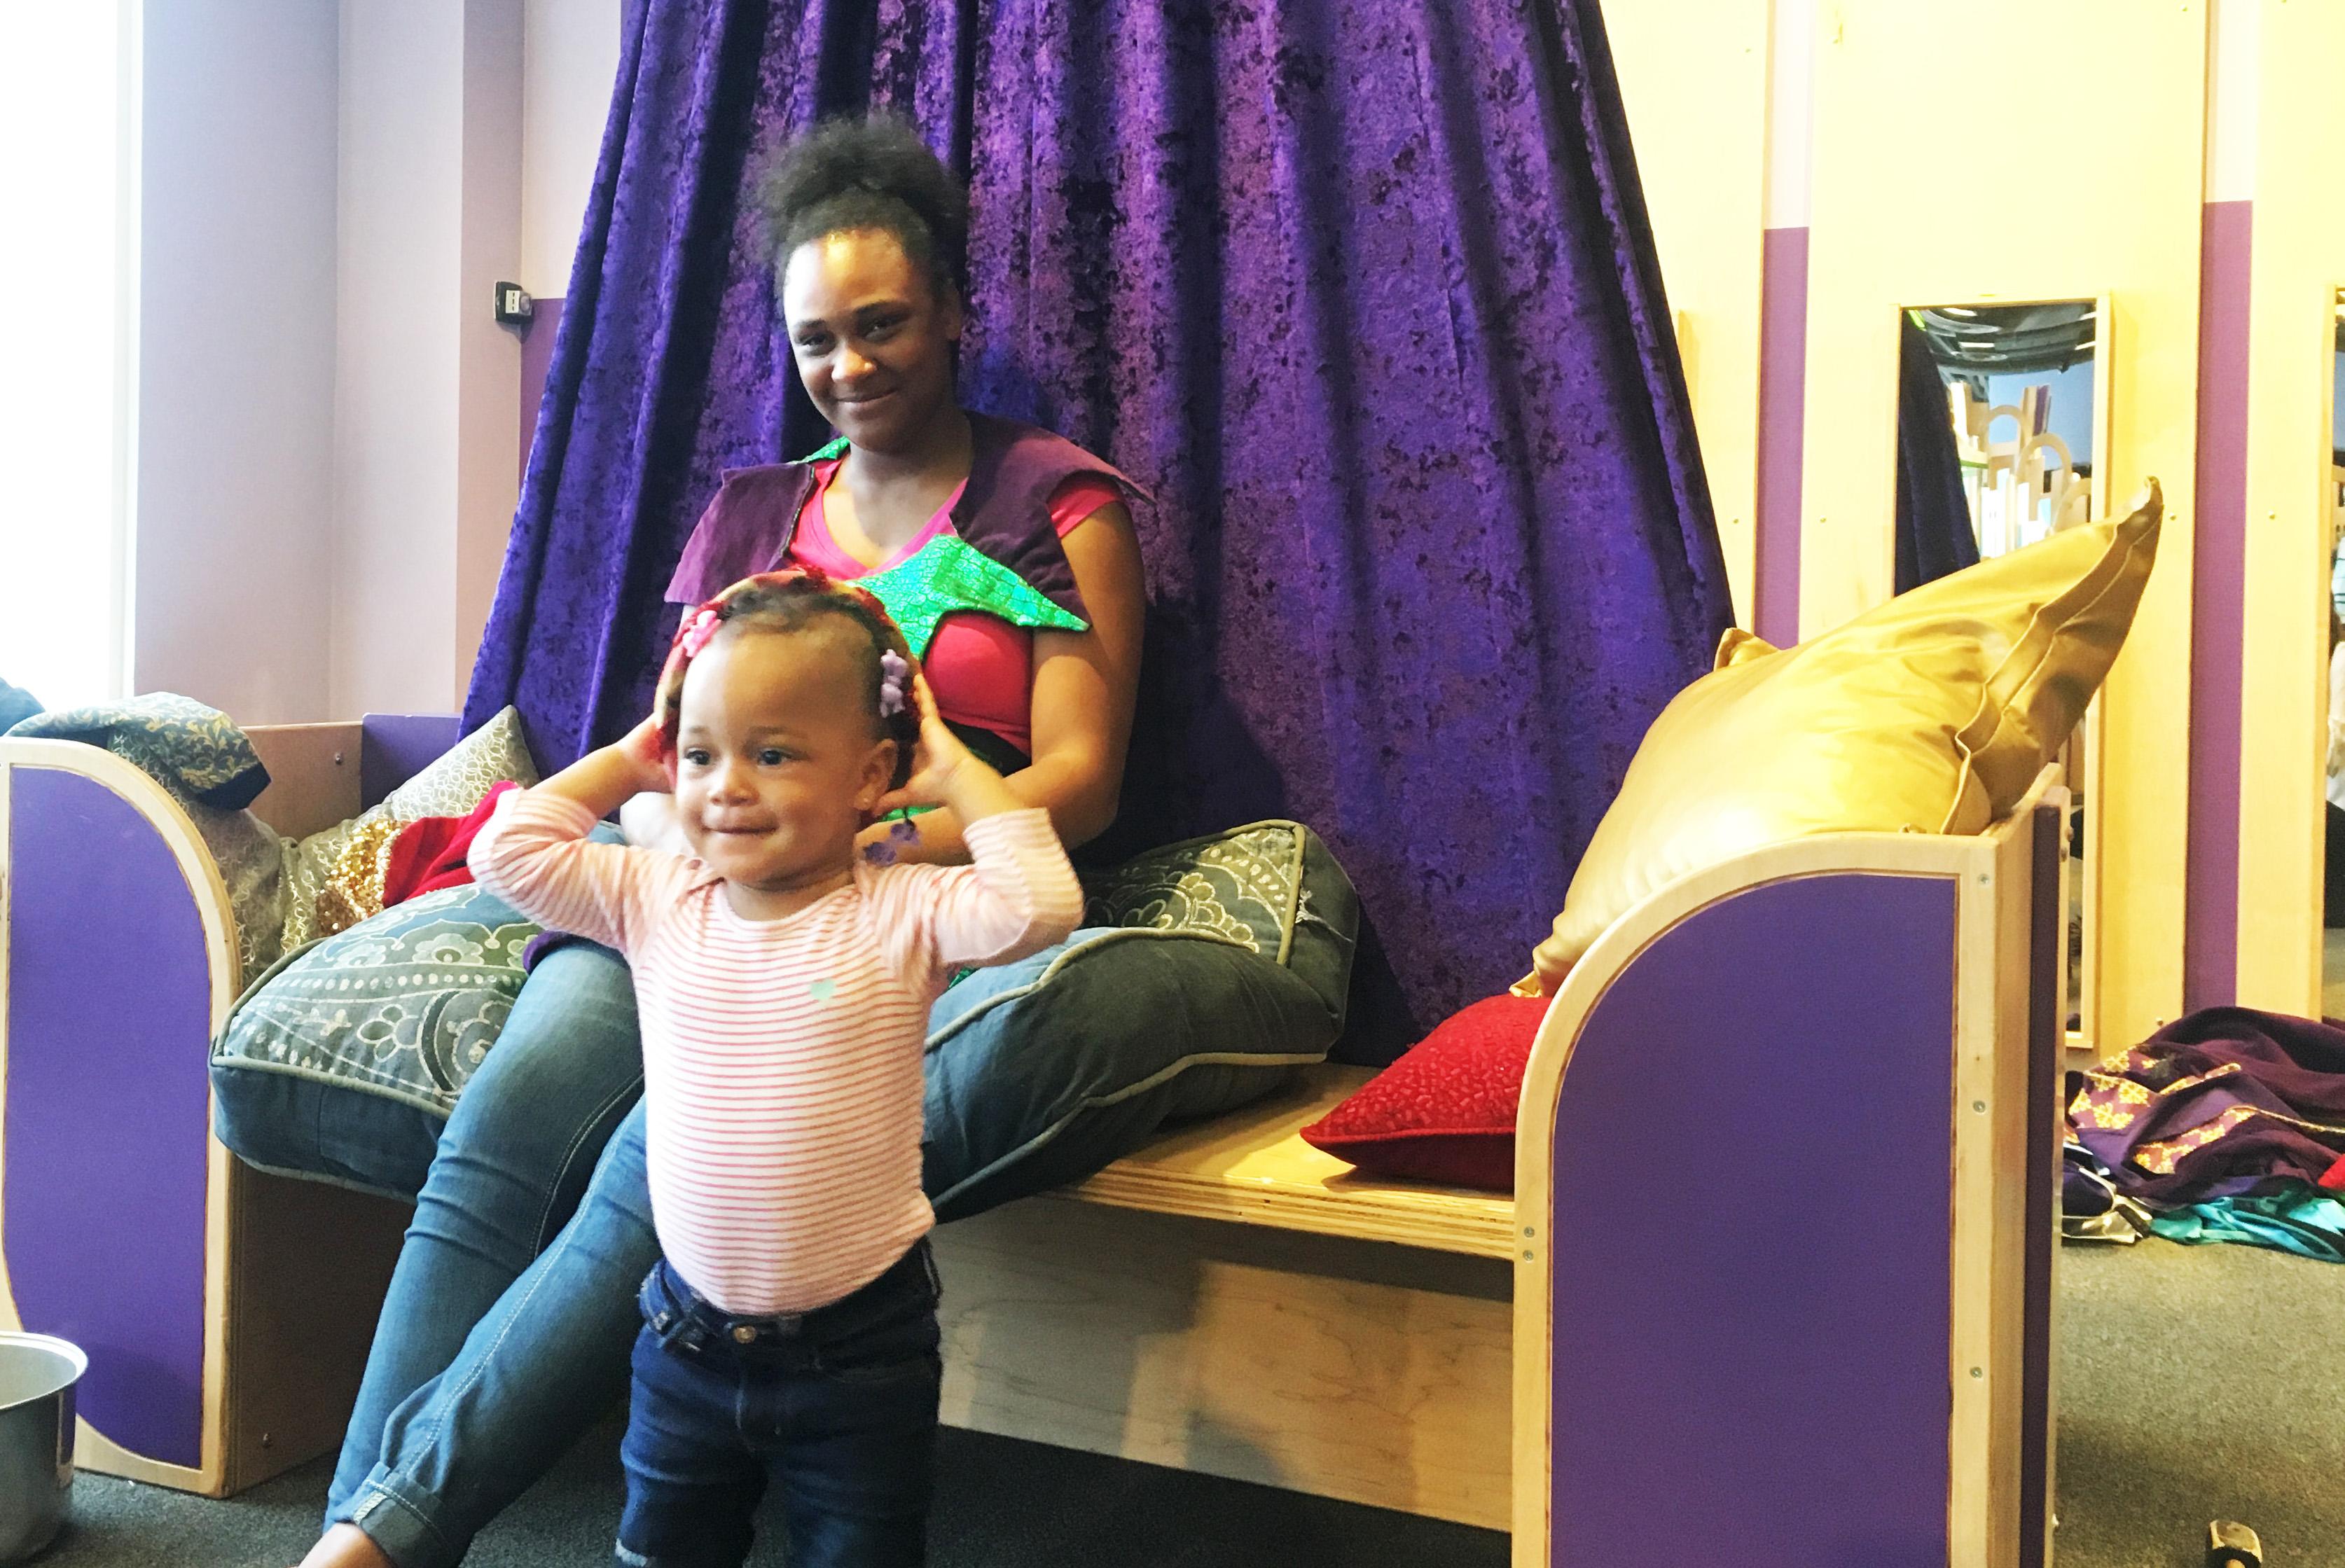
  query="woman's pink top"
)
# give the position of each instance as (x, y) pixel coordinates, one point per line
(980, 667)
(782, 1083)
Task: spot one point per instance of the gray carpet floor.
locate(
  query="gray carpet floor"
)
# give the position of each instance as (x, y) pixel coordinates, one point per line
(2196, 1384)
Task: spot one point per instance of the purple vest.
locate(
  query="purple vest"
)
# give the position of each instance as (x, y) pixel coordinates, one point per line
(1003, 511)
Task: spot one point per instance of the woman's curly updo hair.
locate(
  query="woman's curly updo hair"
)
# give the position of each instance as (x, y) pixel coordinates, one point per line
(853, 174)
(793, 601)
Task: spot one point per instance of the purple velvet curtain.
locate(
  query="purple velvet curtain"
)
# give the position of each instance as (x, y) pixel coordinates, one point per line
(1363, 288)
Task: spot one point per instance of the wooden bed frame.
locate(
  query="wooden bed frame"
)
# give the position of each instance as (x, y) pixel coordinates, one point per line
(1776, 1287)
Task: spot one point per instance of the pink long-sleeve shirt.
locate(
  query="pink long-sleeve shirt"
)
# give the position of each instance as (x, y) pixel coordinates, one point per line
(782, 1081)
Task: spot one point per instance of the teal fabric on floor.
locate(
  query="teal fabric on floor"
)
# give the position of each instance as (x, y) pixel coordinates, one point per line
(2308, 1224)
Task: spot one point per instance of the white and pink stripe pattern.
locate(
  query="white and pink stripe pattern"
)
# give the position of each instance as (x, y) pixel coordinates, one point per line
(782, 1059)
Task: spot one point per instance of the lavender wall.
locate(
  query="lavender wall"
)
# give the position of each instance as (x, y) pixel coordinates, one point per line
(235, 431)
(536, 357)
(2217, 608)
(1782, 429)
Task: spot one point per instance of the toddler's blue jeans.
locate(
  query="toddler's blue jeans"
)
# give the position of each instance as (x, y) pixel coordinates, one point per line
(837, 1407)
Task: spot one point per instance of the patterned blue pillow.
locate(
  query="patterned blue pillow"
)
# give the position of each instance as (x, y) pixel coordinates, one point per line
(390, 1018)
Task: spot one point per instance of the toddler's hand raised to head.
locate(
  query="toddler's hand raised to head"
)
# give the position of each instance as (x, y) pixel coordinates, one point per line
(941, 765)
(654, 768)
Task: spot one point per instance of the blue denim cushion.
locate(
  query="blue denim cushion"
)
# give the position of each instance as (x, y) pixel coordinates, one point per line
(344, 1059)
(1043, 1071)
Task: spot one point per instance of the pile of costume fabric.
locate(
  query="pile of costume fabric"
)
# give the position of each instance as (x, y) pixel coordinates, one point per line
(2225, 1125)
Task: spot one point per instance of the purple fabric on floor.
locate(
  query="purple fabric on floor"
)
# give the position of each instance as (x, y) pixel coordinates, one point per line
(1363, 291)
(2225, 1102)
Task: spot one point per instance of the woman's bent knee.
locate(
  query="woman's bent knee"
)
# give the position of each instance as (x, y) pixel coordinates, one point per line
(516, 1153)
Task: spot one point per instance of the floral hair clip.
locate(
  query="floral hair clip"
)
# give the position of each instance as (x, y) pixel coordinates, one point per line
(882, 852)
(893, 671)
(703, 628)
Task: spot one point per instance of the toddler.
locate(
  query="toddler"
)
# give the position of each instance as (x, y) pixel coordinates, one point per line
(783, 980)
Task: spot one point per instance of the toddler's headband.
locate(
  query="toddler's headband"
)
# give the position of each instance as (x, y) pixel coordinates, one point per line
(700, 629)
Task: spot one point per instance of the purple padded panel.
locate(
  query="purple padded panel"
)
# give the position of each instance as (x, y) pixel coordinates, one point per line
(1751, 1292)
(2219, 587)
(395, 747)
(107, 1104)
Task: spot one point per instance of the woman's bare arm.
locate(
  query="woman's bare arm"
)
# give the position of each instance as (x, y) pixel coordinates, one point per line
(1085, 684)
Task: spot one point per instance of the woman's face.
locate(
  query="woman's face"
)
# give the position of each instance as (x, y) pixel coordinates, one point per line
(872, 336)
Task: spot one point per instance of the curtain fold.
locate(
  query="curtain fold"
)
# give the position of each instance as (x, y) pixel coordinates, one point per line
(1365, 291)
(1936, 536)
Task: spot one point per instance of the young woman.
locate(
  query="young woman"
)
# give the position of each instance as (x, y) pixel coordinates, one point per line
(1009, 557)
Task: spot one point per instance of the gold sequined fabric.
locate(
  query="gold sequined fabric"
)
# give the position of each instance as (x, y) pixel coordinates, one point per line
(334, 879)
(354, 879)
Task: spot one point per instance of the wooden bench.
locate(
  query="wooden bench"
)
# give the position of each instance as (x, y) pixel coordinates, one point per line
(1776, 1288)
(1232, 1300)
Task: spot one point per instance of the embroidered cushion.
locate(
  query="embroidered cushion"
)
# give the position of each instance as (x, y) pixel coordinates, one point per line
(1209, 970)
(1271, 887)
(334, 878)
(195, 751)
(1932, 713)
(400, 1008)
(345, 1058)
(1445, 1112)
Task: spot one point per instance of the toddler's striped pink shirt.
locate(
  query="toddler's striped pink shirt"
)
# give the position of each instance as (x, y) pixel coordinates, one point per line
(782, 1077)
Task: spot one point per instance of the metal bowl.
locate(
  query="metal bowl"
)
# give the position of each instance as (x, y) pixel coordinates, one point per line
(38, 1374)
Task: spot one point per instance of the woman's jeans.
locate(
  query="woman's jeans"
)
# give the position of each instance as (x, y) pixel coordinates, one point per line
(468, 1363)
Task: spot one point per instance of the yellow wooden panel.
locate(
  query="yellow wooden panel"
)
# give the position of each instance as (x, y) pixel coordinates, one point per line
(2299, 261)
(1370, 1372)
(1693, 74)
(1930, 183)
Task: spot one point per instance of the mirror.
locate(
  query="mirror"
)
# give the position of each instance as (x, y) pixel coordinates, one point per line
(2002, 410)
(2332, 935)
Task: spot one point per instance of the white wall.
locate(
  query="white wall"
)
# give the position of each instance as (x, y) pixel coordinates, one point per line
(328, 413)
(427, 385)
(488, 378)
(235, 425)
(569, 63)
(463, 124)
(402, 186)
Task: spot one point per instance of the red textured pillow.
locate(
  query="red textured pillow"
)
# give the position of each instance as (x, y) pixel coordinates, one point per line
(1445, 1112)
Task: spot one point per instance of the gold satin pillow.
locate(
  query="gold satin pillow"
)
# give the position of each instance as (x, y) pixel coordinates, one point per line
(1932, 713)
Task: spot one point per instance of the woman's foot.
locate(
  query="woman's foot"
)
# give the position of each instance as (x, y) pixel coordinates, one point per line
(346, 1546)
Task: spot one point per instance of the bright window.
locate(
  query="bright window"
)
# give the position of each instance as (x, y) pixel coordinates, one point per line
(68, 279)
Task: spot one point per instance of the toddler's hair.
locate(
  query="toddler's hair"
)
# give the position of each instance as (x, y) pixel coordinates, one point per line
(870, 173)
(792, 600)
